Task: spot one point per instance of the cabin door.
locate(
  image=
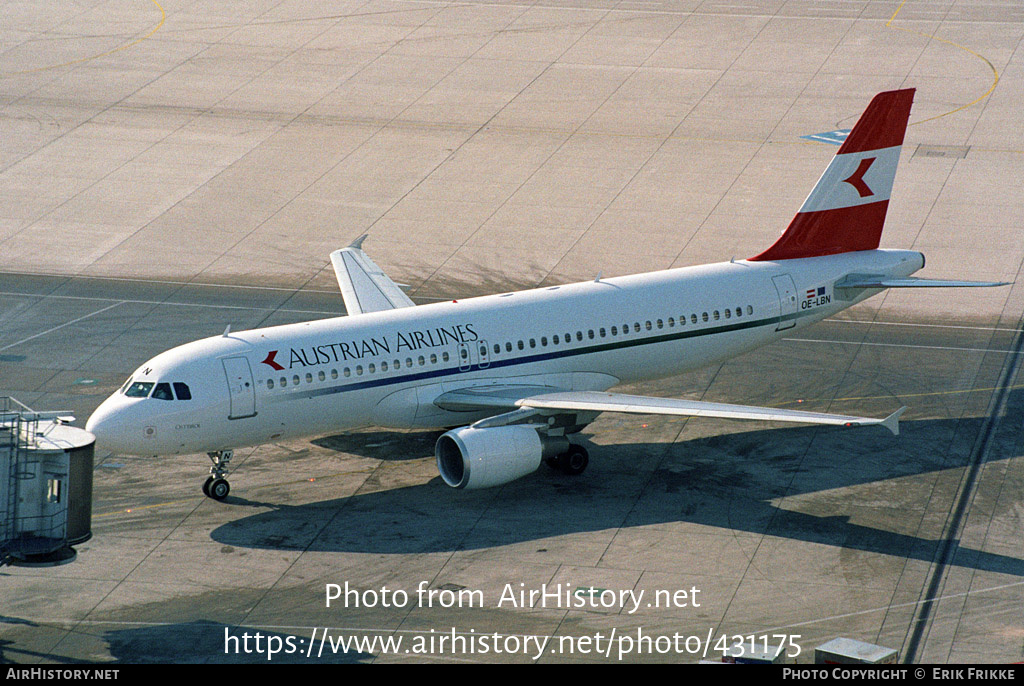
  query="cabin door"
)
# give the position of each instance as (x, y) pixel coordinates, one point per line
(241, 388)
(787, 301)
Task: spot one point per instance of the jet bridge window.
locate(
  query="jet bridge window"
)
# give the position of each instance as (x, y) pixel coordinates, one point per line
(181, 390)
(139, 389)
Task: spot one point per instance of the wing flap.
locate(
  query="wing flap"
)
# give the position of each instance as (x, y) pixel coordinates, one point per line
(364, 286)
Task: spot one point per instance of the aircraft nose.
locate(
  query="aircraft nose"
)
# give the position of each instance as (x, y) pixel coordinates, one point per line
(108, 425)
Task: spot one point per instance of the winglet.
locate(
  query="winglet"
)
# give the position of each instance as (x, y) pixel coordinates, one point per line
(845, 211)
(892, 422)
(364, 286)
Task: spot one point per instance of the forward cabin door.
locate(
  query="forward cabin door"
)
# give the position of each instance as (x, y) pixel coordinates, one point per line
(241, 388)
(787, 301)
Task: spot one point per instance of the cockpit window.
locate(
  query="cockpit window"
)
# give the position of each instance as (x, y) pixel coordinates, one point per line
(163, 392)
(139, 389)
(125, 384)
(182, 391)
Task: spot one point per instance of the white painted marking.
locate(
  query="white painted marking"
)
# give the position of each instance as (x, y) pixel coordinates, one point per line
(61, 326)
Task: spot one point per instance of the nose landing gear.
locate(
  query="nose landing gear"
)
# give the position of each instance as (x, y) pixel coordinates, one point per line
(216, 486)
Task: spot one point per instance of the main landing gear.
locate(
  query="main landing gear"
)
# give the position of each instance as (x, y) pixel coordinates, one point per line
(573, 462)
(216, 486)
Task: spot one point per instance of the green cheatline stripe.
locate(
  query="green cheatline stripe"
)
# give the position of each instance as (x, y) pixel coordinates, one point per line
(529, 359)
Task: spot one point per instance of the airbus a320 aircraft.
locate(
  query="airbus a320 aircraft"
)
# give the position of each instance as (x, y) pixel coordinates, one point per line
(521, 373)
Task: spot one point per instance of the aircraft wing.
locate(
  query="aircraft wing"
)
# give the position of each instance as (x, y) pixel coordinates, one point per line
(602, 401)
(364, 286)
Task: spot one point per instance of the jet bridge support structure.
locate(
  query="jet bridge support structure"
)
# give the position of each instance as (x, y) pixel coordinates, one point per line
(45, 485)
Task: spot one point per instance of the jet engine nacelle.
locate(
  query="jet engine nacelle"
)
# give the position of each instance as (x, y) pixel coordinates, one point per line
(480, 458)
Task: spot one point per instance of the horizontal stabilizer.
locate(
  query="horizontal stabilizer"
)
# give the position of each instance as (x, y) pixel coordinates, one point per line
(364, 286)
(859, 281)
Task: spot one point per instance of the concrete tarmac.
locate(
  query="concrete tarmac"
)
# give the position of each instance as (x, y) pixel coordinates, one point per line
(167, 169)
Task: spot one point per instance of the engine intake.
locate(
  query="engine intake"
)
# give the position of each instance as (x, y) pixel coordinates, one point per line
(480, 458)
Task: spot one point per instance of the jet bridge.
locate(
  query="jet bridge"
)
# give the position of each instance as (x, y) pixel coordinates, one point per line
(45, 485)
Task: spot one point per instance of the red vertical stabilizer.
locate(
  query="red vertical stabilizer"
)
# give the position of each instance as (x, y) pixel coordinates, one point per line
(846, 210)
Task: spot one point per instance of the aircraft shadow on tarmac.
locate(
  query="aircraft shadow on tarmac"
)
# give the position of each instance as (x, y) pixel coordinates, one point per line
(732, 481)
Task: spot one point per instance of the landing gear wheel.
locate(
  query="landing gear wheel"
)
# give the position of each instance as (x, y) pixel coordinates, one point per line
(574, 461)
(218, 489)
(216, 486)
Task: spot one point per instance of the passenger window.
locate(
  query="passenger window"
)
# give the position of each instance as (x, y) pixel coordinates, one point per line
(139, 389)
(284, 382)
(602, 332)
(660, 324)
(320, 375)
(728, 314)
(334, 373)
(615, 331)
(544, 341)
(445, 356)
(309, 378)
(371, 368)
(163, 392)
(182, 391)
(270, 384)
(716, 315)
(384, 366)
(433, 358)
(359, 370)
(693, 318)
(704, 316)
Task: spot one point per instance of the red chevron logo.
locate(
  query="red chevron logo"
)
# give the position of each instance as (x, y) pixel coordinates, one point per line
(270, 361)
(856, 179)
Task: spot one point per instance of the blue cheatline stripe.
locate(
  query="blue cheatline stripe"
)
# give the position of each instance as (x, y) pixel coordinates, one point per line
(540, 357)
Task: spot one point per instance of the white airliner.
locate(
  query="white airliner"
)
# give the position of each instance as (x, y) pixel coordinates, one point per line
(521, 372)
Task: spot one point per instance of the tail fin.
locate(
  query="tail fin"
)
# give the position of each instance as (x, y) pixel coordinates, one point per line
(846, 210)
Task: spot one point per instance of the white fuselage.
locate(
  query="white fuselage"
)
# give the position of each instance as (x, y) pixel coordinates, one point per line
(387, 368)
